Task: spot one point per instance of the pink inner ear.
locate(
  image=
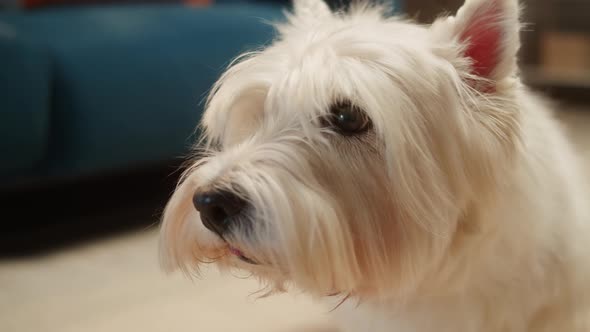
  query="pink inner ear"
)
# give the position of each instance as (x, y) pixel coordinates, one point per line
(483, 33)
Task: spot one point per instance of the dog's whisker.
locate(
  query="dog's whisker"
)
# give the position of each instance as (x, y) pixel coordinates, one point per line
(344, 299)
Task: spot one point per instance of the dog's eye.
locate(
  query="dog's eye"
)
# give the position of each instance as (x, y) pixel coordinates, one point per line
(348, 119)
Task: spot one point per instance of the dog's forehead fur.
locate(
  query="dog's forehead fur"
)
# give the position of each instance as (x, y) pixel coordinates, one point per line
(314, 63)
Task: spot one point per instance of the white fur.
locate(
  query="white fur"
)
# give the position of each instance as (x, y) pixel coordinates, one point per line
(461, 210)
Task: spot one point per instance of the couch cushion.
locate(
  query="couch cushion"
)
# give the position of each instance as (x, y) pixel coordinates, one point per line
(24, 102)
(128, 81)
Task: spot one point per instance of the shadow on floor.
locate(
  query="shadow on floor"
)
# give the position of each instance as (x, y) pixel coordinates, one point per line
(50, 217)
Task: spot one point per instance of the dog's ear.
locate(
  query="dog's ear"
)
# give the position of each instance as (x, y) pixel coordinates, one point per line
(311, 9)
(488, 33)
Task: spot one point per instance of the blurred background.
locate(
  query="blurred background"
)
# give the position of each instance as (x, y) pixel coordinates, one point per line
(99, 101)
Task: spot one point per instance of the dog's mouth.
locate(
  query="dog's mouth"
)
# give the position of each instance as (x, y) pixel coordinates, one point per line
(240, 254)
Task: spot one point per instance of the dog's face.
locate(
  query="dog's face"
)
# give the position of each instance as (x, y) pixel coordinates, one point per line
(343, 157)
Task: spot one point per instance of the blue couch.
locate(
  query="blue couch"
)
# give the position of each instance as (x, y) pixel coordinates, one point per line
(89, 89)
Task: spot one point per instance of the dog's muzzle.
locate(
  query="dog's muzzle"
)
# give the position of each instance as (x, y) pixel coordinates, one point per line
(219, 210)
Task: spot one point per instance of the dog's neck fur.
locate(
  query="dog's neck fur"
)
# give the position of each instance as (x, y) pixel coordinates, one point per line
(507, 258)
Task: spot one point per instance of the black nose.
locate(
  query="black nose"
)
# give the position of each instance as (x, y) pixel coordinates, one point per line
(217, 209)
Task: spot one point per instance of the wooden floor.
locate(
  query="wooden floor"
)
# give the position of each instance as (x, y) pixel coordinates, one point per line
(114, 284)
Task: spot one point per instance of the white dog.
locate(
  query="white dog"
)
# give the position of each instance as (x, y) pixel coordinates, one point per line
(400, 169)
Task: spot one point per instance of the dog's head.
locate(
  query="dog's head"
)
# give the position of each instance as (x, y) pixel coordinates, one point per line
(345, 157)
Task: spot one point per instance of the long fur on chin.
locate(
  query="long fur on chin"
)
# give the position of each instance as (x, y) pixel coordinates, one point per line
(460, 209)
